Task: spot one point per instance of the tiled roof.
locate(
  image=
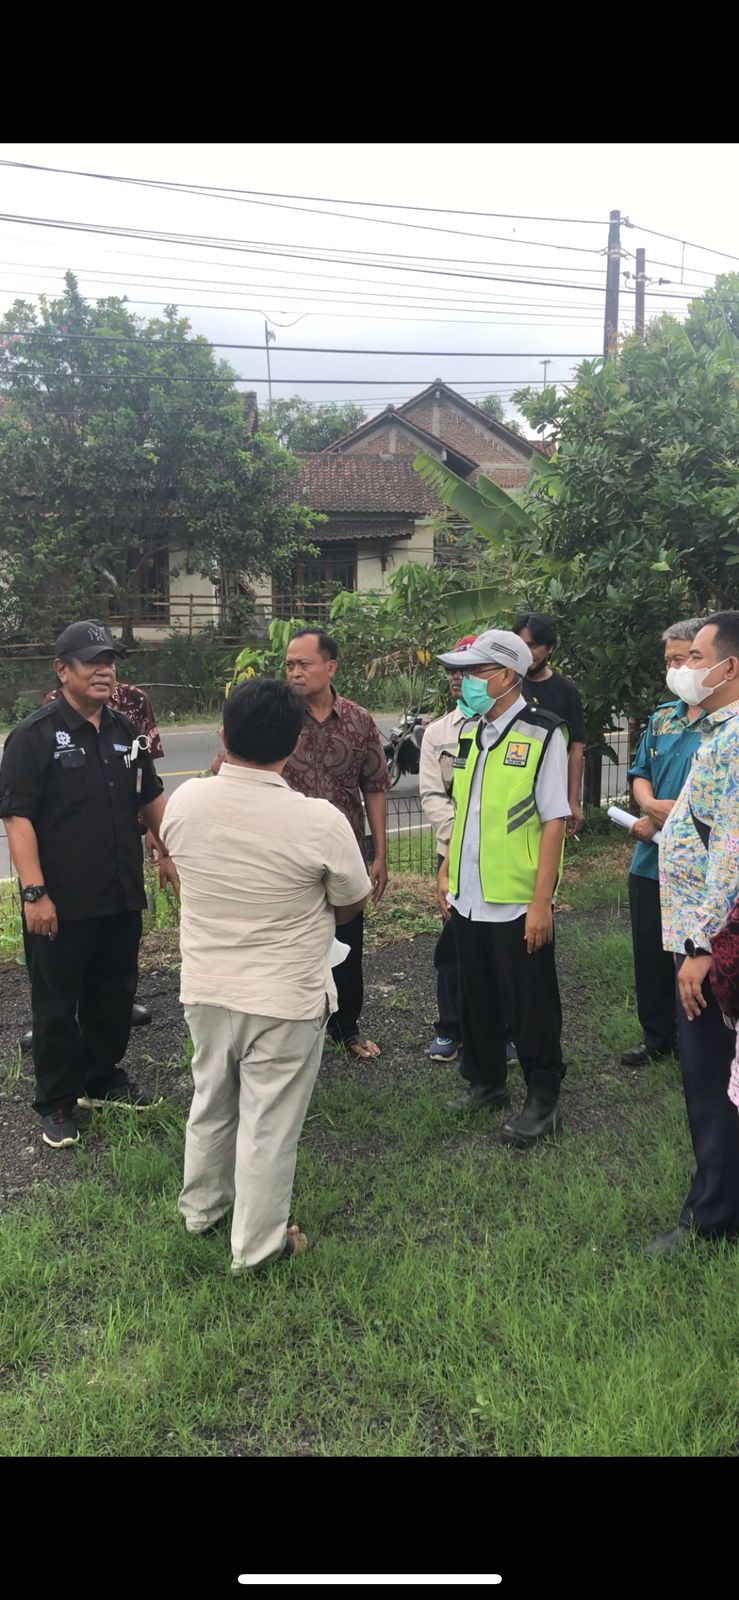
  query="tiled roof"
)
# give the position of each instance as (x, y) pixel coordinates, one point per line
(360, 483)
(346, 531)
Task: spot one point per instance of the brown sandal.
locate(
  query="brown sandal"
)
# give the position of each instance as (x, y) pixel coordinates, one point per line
(295, 1243)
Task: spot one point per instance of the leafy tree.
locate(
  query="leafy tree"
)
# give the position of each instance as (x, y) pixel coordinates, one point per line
(492, 405)
(635, 522)
(388, 643)
(306, 428)
(717, 310)
(121, 439)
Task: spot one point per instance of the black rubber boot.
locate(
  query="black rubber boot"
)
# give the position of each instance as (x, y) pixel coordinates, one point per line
(539, 1117)
(477, 1097)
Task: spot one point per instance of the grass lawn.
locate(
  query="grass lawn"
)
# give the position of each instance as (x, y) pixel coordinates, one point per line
(460, 1299)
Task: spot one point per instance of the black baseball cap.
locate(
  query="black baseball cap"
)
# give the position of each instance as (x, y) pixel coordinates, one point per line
(86, 640)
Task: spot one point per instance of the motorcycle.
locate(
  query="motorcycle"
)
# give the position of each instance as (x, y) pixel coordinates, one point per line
(403, 745)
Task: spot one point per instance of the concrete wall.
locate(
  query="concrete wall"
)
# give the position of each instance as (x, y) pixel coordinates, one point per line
(377, 560)
(204, 608)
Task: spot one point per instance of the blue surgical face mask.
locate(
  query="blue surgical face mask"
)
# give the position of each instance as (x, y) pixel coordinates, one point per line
(476, 701)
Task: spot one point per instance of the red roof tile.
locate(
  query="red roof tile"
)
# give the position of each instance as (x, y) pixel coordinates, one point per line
(347, 530)
(360, 483)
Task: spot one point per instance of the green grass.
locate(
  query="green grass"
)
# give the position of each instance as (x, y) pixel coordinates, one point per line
(459, 1299)
(412, 851)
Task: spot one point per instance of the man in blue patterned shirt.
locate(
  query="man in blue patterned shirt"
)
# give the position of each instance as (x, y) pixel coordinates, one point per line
(699, 885)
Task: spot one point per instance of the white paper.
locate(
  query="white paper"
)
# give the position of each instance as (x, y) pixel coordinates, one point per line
(624, 819)
(338, 953)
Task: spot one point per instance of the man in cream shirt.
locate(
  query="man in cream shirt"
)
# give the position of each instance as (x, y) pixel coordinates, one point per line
(266, 875)
(438, 749)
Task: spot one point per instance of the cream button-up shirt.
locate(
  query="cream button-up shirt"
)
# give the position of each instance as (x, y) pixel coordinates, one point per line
(261, 868)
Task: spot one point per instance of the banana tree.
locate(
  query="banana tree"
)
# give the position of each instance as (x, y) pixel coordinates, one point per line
(508, 529)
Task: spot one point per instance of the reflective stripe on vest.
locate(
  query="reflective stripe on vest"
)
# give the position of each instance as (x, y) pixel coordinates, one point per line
(510, 825)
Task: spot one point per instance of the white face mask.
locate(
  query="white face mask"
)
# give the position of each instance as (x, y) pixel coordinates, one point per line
(688, 683)
(670, 679)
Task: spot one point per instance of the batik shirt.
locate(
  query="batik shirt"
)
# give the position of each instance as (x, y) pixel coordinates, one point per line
(340, 759)
(699, 885)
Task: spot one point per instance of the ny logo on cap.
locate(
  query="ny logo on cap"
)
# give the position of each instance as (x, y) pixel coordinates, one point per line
(96, 634)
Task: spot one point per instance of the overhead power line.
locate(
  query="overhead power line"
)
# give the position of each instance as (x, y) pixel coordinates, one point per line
(236, 246)
(291, 349)
(496, 319)
(675, 239)
(406, 383)
(264, 197)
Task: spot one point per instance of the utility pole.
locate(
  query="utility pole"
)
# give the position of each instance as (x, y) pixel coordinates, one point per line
(545, 364)
(269, 338)
(641, 283)
(613, 273)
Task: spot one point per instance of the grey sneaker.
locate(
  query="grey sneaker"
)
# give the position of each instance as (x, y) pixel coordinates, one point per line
(59, 1129)
(128, 1095)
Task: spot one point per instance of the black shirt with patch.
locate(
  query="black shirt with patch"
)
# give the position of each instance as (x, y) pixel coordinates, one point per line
(560, 695)
(72, 783)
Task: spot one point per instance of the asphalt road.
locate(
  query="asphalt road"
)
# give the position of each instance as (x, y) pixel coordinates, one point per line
(189, 750)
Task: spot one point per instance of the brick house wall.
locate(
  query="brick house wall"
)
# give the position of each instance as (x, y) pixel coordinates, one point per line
(500, 460)
(389, 441)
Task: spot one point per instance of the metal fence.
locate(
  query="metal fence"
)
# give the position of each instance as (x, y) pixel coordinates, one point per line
(412, 843)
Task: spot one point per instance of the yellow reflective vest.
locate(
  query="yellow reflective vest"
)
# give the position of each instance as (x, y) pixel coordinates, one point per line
(510, 825)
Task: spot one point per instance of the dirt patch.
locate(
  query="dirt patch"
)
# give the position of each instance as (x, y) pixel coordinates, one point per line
(399, 1012)
(154, 1061)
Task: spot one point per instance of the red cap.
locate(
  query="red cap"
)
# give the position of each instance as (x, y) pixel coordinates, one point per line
(464, 644)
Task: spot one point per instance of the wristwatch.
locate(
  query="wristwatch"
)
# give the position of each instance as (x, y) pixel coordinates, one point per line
(692, 949)
(33, 892)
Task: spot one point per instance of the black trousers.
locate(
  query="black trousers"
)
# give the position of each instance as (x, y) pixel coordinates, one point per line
(83, 984)
(654, 968)
(706, 1053)
(447, 984)
(343, 1026)
(504, 990)
(447, 980)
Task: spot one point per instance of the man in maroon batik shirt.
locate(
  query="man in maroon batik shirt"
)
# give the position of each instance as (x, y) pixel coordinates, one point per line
(339, 757)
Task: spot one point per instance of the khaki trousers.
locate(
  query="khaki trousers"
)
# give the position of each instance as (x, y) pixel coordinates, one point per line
(254, 1077)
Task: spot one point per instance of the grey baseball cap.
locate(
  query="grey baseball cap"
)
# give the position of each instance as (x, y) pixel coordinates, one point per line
(496, 647)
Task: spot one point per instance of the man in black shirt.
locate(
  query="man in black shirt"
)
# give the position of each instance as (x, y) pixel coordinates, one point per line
(73, 779)
(549, 689)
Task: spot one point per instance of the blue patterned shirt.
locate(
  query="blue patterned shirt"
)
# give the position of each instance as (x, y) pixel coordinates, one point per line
(699, 886)
(668, 745)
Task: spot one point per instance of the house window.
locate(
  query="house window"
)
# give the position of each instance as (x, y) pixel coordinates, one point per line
(313, 583)
(150, 599)
(148, 596)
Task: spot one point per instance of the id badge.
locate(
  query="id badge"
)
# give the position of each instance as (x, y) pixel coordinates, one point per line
(139, 780)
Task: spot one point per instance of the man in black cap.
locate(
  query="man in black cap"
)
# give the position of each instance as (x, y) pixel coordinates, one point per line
(73, 779)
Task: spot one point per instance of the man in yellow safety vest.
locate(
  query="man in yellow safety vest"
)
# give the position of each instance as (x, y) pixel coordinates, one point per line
(498, 882)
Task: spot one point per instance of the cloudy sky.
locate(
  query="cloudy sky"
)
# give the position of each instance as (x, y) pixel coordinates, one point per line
(475, 263)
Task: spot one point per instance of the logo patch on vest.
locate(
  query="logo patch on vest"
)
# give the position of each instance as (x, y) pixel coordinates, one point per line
(517, 753)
